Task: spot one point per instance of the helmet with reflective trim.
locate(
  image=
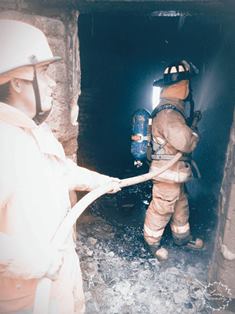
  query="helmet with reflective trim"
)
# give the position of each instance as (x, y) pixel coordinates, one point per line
(23, 46)
(176, 72)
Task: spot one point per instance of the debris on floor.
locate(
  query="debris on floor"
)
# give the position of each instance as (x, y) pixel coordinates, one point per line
(121, 277)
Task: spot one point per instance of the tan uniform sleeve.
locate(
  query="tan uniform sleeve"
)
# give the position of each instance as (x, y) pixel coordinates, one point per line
(178, 134)
(82, 179)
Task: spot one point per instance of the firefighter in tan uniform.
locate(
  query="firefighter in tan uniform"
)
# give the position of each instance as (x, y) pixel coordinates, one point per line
(171, 134)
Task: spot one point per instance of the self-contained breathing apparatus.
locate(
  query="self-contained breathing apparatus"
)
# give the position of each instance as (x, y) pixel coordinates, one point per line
(141, 136)
(143, 147)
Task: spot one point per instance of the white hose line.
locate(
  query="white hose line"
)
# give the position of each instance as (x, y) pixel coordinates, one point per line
(65, 229)
(150, 175)
(42, 294)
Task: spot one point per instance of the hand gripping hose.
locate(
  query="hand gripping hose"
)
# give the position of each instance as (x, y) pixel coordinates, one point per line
(42, 295)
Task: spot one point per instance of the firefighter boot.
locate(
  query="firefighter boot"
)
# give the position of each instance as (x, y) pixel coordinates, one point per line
(189, 242)
(159, 252)
(195, 244)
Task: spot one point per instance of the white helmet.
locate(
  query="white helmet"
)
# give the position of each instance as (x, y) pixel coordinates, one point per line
(22, 47)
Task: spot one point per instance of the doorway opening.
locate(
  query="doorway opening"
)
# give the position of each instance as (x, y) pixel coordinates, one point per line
(121, 56)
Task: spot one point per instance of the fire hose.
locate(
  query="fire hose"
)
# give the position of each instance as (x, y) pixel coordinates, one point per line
(42, 295)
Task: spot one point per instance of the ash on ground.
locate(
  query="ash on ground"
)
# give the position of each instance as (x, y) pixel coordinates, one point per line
(119, 274)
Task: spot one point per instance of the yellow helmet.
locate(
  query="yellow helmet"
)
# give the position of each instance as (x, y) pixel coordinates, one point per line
(23, 47)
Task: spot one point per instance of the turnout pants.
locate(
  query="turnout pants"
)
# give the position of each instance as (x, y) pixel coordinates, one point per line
(169, 204)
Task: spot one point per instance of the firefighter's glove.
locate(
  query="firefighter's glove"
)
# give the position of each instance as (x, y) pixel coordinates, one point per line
(28, 260)
(114, 185)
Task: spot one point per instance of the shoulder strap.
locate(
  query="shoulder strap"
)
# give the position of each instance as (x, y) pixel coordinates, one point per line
(165, 107)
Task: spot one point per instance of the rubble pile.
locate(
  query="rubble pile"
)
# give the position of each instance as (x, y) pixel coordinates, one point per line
(121, 277)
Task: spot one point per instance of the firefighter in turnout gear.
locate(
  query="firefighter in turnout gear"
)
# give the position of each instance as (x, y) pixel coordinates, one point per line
(171, 134)
(35, 180)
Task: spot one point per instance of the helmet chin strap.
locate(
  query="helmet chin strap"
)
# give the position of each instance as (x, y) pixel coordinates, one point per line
(40, 116)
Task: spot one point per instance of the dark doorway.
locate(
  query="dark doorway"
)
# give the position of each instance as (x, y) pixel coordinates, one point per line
(121, 56)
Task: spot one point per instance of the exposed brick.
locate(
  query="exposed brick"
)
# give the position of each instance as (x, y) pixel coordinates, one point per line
(61, 31)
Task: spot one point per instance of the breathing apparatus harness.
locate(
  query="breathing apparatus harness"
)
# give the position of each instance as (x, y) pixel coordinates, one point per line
(192, 121)
(158, 146)
(165, 107)
(145, 148)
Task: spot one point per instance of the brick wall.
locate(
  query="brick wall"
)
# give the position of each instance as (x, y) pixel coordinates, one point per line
(60, 27)
(223, 262)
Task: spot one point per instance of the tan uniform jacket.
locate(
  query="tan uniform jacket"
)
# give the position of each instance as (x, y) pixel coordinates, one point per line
(170, 127)
(34, 198)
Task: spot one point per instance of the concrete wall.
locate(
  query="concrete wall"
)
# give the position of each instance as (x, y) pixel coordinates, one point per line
(60, 27)
(223, 263)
